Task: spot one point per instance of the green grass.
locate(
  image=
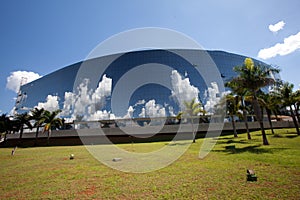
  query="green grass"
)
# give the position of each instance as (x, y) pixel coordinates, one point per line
(47, 172)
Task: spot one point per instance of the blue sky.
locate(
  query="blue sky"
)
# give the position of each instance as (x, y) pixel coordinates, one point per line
(43, 36)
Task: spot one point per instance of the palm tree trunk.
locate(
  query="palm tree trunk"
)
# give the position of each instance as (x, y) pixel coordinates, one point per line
(245, 119)
(49, 135)
(294, 120)
(297, 112)
(36, 134)
(233, 126)
(21, 134)
(276, 116)
(257, 111)
(264, 136)
(193, 131)
(269, 119)
(246, 124)
(5, 136)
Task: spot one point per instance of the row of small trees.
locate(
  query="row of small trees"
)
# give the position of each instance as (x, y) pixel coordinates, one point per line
(247, 98)
(36, 118)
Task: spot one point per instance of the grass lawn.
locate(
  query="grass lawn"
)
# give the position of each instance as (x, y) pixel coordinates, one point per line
(48, 173)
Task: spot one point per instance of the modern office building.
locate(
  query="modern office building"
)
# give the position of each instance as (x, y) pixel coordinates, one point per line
(145, 83)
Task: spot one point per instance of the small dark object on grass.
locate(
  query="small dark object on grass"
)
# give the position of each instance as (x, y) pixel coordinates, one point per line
(251, 175)
(116, 159)
(13, 151)
(71, 156)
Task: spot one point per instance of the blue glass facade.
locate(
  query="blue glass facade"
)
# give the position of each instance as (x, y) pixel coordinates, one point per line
(187, 63)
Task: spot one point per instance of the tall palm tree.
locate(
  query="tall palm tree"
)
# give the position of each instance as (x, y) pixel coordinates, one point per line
(192, 109)
(232, 107)
(296, 96)
(21, 120)
(254, 77)
(51, 120)
(5, 126)
(288, 99)
(242, 92)
(270, 103)
(38, 116)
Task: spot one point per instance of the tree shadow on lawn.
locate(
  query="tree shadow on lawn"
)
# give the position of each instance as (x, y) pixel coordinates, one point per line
(290, 135)
(255, 149)
(174, 143)
(233, 141)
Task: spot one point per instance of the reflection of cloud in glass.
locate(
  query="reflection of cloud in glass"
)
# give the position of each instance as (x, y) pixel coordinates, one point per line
(182, 90)
(152, 110)
(90, 104)
(51, 104)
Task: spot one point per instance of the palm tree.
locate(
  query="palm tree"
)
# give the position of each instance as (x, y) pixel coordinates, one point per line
(242, 92)
(288, 99)
(297, 104)
(192, 109)
(51, 120)
(5, 126)
(21, 120)
(254, 77)
(232, 107)
(37, 115)
(270, 103)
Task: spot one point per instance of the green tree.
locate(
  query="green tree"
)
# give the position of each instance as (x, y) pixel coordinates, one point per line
(21, 120)
(38, 116)
(192, 110)
(232, 108)
(254, 77)
(270, 103)
(297, 104)
(288, 99)
(51, 121)
(5, 126)
(242, 93)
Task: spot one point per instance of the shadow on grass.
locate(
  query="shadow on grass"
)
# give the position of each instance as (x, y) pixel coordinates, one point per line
(291, 136)
(286, 135)
(233, 141)
(255, 149)
(178, 143)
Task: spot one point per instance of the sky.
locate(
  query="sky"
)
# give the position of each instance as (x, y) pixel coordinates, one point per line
(39, 37)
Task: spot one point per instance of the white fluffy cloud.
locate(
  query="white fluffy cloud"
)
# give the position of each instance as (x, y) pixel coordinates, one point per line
(182, 90)
(51, 104)
(153, 110)
(276, 27)
(68, 104)
(15, 79)
(99, 114)
(289, 45)
(140, 102)
(88, 103)
(171, 111)
(103, 90)
(82, 99)
(129, 113)
(212, 97)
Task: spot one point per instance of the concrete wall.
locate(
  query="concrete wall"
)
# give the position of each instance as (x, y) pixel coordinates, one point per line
(131, 134)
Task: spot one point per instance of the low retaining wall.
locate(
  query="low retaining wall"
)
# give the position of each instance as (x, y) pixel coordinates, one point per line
(130, 134)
